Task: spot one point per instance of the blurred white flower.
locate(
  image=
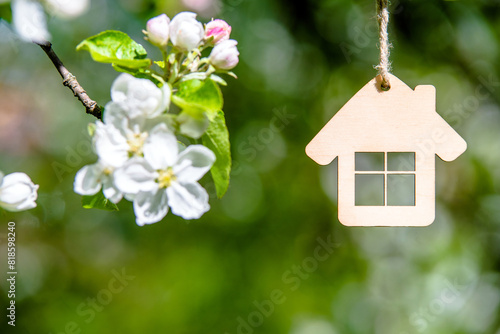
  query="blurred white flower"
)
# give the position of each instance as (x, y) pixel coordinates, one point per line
(224, 55)
(186, 32)
(157, 30)
(91, 178)
(219, 30)
(17, 192)
(29, 21)
(166, 178)
(140, 97)
(67, 8)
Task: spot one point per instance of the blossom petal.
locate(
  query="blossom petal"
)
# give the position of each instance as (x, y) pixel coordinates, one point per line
(165, 102)
(18, 192)
(150, 207)
(110, 191)
(138, 97)
(135, 176)
(114, 114)
(29, 21)
(193, 127)
(188, 200)
(161, 149)
(119, 87)
(194, 162)
(110, 145)
(87, 180)
(151, 123)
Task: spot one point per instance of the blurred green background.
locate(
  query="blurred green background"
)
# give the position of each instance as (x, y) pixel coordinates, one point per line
(252, 264)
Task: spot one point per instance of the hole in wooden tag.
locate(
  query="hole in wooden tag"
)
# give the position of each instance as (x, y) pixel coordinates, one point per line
(369, 161)
(385, 87)
(401, 161)
(369, 189)
(401, 189)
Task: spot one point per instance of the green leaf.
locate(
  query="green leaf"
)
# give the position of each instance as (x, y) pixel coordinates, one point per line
(138, 73)
(98, 201)
(116, 47)
(217, 139)
(199, 95)
(5, 14)
(129, 70)
(160, 63)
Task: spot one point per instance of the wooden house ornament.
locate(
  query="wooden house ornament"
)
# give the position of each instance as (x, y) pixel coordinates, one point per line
(398, 129)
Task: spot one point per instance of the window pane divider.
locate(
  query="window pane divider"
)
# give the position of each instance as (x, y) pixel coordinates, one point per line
(385, 179)
(385, 172)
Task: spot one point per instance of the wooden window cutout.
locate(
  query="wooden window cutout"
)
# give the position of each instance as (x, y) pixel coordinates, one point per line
(400, 189)
(395, 187)
(370, 189)
(401, 161)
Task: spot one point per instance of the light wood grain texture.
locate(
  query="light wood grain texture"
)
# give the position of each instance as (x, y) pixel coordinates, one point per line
(397, 120)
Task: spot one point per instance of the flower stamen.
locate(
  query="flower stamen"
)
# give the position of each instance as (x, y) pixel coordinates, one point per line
(136, 143)
(107, 171)
(165, 177)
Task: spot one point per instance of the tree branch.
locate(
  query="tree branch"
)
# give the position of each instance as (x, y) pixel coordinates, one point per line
(69, 80)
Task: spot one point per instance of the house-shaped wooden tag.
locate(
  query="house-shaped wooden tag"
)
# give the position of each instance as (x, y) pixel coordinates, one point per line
(399, 133)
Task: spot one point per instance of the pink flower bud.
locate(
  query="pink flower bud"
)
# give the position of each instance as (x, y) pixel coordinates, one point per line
(158, 29)
(219, 30)
(224, 55)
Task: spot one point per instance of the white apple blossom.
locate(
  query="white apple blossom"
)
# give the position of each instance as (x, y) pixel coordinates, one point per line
(140, 97)
(17, 192)
(29, 21)
(166, 178)
(139, 157)
(186, 32)
(90, 179)
(224, 55)
(158, 29)
(116, 141)
(121, 137)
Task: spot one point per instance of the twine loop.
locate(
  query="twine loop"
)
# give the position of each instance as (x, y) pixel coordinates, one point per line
(384, 65)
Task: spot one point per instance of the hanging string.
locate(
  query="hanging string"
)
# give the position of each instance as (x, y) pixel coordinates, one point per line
(383, 21)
